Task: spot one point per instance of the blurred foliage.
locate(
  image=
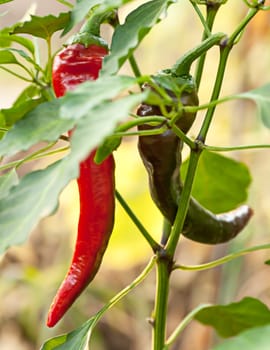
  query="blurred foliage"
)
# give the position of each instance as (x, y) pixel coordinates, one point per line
(30, 274)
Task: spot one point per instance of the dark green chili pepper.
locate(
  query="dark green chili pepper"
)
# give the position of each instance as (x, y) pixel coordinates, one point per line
(161, 155)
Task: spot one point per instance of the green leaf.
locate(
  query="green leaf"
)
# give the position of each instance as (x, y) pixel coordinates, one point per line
(221, 183)
(51, 119)
(261, 97)
(15, 113)
(109, 145)
(43, 27)
(79, 12)
(36, 195)
(28, 99)
(128, 36)
(98, 125)
(253, 339)
(232, 319)
(4, 1)
(41, 124)
(6, 40)
(7, 181)
(82, 8)
(77, 103)
(7, 57)
(75, 340)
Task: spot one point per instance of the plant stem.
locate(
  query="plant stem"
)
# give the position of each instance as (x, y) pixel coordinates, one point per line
(210, 18)
(161, 302)
(207, 29)
(225, 49)
(163, 263)
(154, 245)
(134, 66)
(183, 202)
(224, 54)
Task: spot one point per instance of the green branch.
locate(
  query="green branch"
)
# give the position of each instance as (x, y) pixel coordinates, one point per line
(222, 260)
(154, 245)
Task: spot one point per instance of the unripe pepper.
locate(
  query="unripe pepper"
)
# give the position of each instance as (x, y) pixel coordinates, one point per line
(161, 155)
(73, 65)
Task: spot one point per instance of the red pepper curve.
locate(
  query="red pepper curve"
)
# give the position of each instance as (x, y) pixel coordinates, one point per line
(72, 66)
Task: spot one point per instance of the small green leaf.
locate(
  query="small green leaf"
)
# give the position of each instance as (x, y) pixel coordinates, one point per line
(82, 7)
(232, 319)
(4, 1)
(75, 340)
(41, 124)
(15, 113)
(28, 99)
(221, 183)
(252, 339)
(261, 97)
(7, 181)
(128, 36)
(7, 57)
(43, 27)
(6, 40)
(79, 12)
(110, 145)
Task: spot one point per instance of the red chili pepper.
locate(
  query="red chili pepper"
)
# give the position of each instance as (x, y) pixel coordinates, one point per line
(72, 66)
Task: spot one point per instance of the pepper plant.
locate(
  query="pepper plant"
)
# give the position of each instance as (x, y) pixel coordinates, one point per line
(79, 96)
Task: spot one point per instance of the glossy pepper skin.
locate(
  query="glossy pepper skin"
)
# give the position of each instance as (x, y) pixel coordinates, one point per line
(72, 66)
(161, 155)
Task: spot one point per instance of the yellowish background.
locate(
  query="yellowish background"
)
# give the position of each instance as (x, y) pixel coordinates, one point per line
(30, 274)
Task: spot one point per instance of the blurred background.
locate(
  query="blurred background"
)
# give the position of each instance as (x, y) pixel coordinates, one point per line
(30, 274)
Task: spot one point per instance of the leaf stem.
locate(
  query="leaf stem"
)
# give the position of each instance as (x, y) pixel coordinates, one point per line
(16, 74)
(183, 324)
(37, 156)
(68, 4)
(207, 29)
(139, 121)
(38, 152)
(124, 291)
(222, 260)
(234, 148)
(154, 245)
